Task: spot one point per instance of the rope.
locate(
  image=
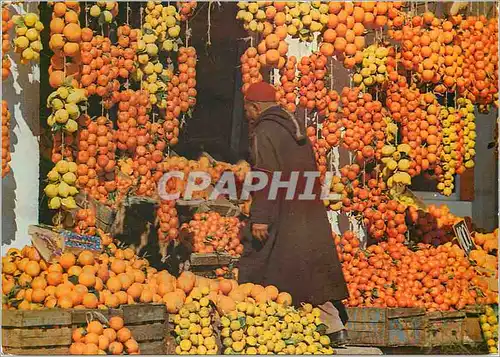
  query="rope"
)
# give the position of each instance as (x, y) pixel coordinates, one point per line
(209, 25)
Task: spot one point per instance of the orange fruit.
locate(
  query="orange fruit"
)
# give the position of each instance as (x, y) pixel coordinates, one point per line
(90, 301)
(67, 260)
(116, 323)
(110, 334)
(86, 258)
(116, 348)
(72, 32)
(123, 334)
(87, 279)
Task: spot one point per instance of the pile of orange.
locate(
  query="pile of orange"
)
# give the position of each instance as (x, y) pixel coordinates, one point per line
(85, 222)
(111, 338)
(7, 24)
(434, 226)
(168, 229)
(96, 158)
(215, 233)
(391, 275)
(5, 138)
(250, 68)
(273, 49)
(186, 9)
(289, 83)
(181, 94)
(65, 38)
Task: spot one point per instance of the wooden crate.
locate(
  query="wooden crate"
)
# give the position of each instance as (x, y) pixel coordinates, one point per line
(406, 327)
(205, 264)
(105, 215)
(444, 328)
(48, 331)
(367, 326)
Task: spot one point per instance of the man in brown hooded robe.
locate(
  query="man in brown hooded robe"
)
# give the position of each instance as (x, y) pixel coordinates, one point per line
(291, 245)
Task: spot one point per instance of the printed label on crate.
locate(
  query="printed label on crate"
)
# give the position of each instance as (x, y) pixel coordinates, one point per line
(464, 238)
(77, 241)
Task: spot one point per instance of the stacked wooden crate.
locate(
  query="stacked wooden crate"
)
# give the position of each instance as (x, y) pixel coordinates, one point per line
(49, 331)
(413, 327)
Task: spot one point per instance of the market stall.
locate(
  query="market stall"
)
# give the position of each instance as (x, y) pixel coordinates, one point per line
(136, 245)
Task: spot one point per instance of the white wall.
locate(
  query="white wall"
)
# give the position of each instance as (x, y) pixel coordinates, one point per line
(20, 187)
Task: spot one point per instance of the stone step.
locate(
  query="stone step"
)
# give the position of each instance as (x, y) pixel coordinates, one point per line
(357, 350)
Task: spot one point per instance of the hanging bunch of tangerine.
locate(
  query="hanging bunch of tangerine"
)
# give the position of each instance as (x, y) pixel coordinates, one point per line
(365, 127)
(5, 138)
(96, 158)
(133, 110)
(313, 94)
(215, 233)
(168, 229)
(478, 37)
(250, 68)
(99, 73)
(63, 147)
(7, 24)
(286, 93)
(181, 94)
(65, 38)
(186, 9)
(126, 50)
(273, 49)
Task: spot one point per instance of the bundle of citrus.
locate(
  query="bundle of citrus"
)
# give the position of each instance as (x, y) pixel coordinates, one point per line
(478, 38)
(373, 69)
(163, 22)
(250, 68)
(67, 104)
(272, 50)
(489, 327)
(168, 229)
(215, 233)
(365, 127)
(61, 188)
(313, 93)
(100, 68)
(104, 11)
(65, 37)
(181, 94)
(27, 42)
(186, 9)
(287, 91)
(320, 148)
(7, 24)
(85, 222)
(488, 241)
(5, 138)
(126, 50)
(389, 274)
(96, 157)
(99, 338)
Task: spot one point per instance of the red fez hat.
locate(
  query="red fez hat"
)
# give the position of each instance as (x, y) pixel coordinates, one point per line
(261, 92)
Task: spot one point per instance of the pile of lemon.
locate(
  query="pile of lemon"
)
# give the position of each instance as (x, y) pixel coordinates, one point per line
(396, 165)
(373, 69)
(272, 328)
(67, 104)
(489, 326)
(27, 41)
(194, 325)
(62, 186)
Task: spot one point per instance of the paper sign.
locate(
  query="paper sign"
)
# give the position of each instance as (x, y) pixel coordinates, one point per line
(464, 238)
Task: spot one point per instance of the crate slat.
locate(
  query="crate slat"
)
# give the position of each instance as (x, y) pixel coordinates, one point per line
(79, 317)
(48, 317)
(36, 337)
(211, 259)
(152, 348)
(367, 314)
(406, 337)
(140, 313)
(366, 338)
(405, 312)
(443, 333)
(150, 332)
(408, 323)
(48, 351)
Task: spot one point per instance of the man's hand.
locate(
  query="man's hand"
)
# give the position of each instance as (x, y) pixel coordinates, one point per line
(260, 231)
